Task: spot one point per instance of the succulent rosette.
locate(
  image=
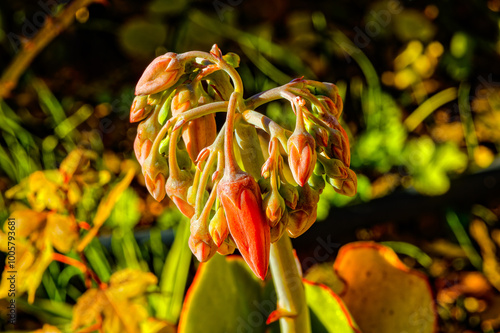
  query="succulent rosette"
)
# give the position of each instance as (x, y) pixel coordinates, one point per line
(249, 182)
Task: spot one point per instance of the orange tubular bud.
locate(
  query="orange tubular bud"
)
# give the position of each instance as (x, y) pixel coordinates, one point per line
(198, 133)
(200, 242)
(177, 188)
(146, 133)
(161, 74)
(155, 171)
(242, 202)
(201, 250)
(301, 155)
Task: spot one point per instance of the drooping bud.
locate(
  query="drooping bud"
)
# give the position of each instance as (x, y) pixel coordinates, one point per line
(198, 133)
(146, 134)
(140, 109)
(201, 250)
(249, 148)
(301, 155)
(242, 202)
(162, 73)
(334, 168)
(338, 141)
(317, 183)
(304, 215)
(218, 227)
(279, 229)
(319, 133)
(290, 194)
(227, 247)
(327, 89)
(200, 242)
(155, 171)
(330, 106)
(347, 186)
(333, 94)
(177, 188)
(274, 206)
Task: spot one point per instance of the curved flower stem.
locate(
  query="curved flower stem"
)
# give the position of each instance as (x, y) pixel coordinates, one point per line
(201, 186)
(267, 125)
(292, 306)
(231, 166)
(235, 77)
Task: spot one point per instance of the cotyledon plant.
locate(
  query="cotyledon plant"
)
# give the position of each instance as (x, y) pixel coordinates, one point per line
(251, 184)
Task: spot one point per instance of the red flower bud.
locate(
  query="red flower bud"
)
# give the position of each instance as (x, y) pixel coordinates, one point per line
(162, 73)
(301, 155)
(242, 202)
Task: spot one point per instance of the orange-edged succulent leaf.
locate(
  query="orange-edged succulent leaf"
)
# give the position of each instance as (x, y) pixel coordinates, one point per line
(242, 202)
(330, 312)
(382, 293)
(223, 297)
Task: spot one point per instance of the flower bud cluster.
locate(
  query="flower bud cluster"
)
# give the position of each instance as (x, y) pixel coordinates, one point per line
(248, 183)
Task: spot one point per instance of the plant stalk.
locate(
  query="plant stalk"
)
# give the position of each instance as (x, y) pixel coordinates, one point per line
(292, 307)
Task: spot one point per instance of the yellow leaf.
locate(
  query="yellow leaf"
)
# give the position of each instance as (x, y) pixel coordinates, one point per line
(48, 329)
(130, 283)
(382, 294)
(76, 161)
(62, 231)
(105, 207)
(26, 222)
(88, 308)
(34, 274)
(153, 325)
(119, 306)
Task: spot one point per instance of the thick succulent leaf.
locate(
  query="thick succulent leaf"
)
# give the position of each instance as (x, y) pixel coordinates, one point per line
(382, 294)
(225, 296)
(328, 312)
